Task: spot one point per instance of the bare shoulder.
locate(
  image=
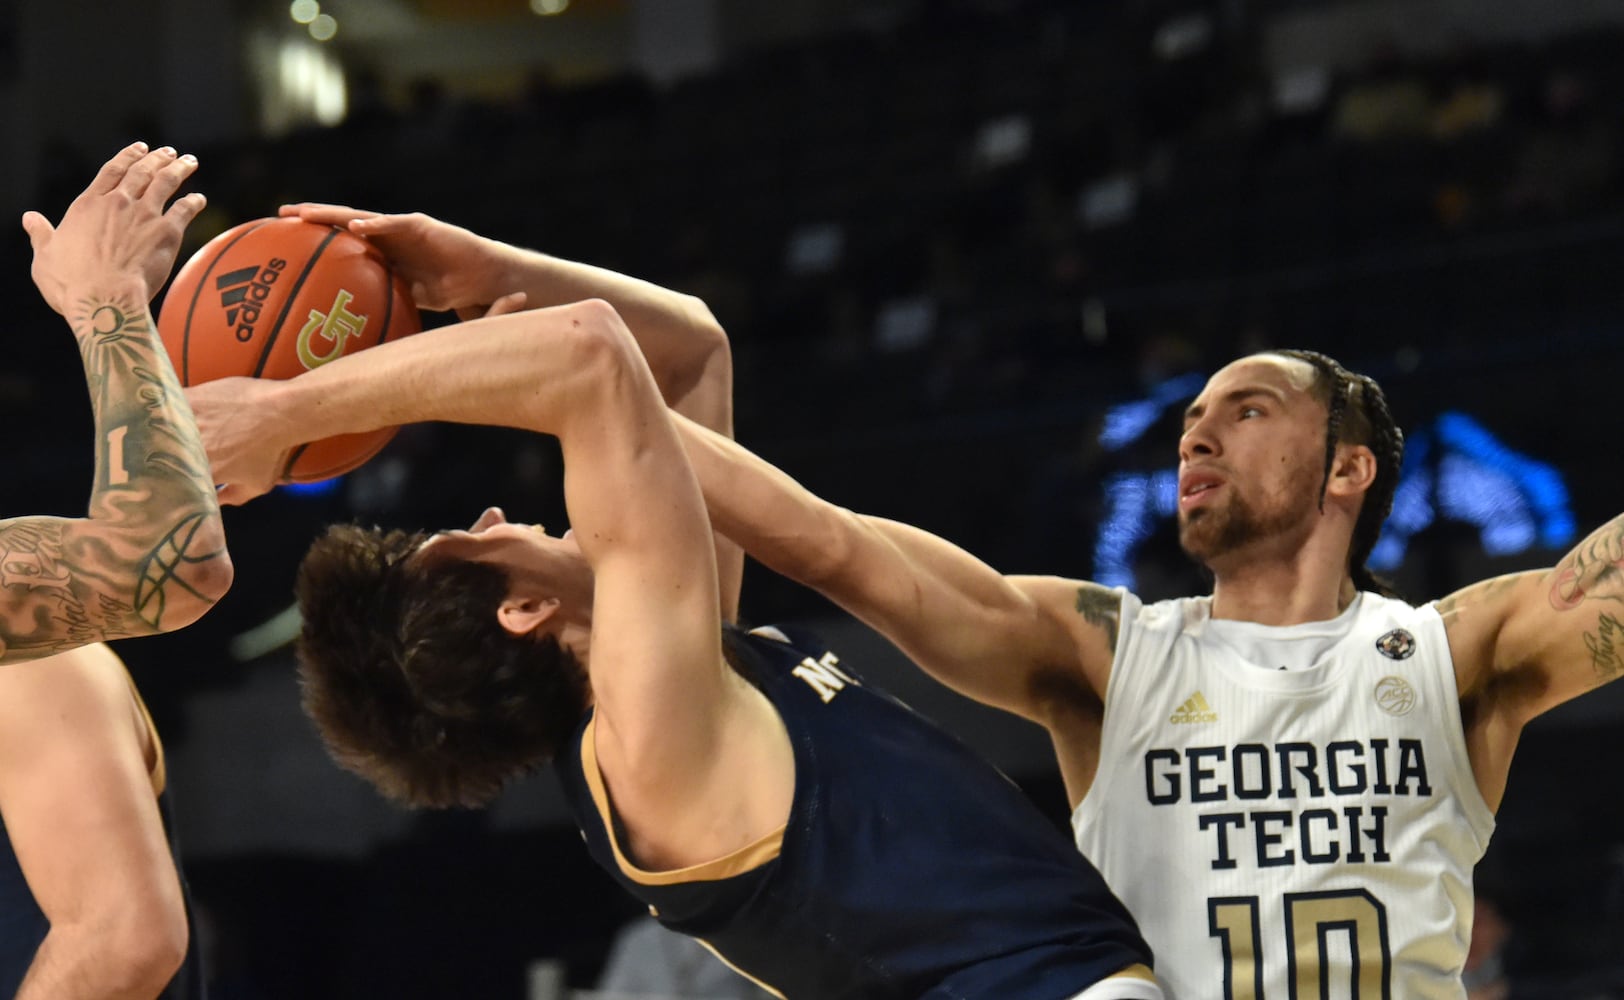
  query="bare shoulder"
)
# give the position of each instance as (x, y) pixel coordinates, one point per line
(1474, 619)
(1091, 616)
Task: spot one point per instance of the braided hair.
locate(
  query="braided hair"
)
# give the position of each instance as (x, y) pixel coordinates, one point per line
(1357, 413)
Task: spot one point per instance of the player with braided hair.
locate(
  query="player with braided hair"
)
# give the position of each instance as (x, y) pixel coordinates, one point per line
(1290, 780)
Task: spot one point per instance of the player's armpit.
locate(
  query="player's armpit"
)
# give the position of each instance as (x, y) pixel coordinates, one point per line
(1541, 638)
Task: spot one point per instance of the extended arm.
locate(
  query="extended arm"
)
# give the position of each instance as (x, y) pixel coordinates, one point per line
(83, 819)
(452, 268)
(1029, 645)
(150, 554)
(1527, 642)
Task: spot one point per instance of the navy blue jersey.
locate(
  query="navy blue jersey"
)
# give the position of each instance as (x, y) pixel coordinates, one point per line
(909, 866)
(23, 926)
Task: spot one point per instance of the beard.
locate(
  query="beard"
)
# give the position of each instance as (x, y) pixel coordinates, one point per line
(1211, 533)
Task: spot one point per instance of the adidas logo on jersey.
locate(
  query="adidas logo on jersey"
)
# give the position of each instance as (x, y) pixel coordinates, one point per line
(1194, 710)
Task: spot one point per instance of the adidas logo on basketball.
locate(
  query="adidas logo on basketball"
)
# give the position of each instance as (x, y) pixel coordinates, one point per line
(243, 292)
(1194, 710)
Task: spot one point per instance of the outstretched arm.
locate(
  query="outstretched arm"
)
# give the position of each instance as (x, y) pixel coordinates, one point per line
(1527, 642)
(150, 555)
(451, 268)
(1030, 645)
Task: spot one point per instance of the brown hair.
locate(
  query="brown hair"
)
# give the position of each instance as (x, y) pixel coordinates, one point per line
(413, 683)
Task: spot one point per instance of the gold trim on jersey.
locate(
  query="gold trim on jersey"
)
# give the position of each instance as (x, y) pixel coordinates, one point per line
(723, 959)
(746, 858)
(1135, 971)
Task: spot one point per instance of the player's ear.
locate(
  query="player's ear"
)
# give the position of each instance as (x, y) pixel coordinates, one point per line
(1353, 472)
(523, 615)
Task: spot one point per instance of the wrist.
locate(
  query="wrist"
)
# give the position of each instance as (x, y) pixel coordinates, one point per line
(126, 293)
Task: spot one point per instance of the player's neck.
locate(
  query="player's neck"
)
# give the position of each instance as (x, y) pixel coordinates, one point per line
(1282, 593)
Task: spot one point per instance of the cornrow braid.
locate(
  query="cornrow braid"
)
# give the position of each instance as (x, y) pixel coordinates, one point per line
(1357, 412)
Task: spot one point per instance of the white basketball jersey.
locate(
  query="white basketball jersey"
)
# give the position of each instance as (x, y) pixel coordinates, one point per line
(1306, 833)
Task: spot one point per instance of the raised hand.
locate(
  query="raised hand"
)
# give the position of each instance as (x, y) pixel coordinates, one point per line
(448, 267)
(118, 234)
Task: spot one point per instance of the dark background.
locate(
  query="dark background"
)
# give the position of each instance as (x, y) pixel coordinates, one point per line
(948, 240)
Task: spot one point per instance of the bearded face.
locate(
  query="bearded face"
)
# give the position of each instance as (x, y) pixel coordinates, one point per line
(1251, 462)
(1250, 515)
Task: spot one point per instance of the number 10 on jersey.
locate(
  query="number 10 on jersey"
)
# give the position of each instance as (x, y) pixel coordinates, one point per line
(1313, 920)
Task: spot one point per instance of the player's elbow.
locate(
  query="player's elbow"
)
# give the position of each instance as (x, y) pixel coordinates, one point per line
(187, 571)
(144, 946)
(202, 577)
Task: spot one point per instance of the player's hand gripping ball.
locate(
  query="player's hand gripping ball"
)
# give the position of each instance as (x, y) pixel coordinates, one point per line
(273, 298)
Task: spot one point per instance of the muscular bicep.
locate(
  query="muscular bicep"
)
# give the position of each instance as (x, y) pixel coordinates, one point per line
(65, 582)
(1541, 638)
(1012, 642)
(76, 796)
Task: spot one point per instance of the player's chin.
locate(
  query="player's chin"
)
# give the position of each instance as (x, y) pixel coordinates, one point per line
(1197, 534)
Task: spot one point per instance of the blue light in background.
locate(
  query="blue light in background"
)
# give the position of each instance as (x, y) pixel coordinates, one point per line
(1516, 502)
(319, 488)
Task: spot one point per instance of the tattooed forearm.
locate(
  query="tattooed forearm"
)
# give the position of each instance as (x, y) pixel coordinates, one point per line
(1102, 609)
(150, 556)
(1605, 656)
(1594, 570)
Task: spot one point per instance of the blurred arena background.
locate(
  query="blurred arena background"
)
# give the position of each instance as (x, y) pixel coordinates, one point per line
(974, 257)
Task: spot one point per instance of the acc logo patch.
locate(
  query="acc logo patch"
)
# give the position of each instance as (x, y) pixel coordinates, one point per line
(1395, 696)
(1396, 645)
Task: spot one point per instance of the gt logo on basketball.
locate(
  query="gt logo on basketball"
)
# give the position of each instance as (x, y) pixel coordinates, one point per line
(243, 293)
(334, 326)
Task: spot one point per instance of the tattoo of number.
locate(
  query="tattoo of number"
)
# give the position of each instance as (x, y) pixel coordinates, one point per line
(1311, 919)
(117, 475)
(1102, 609)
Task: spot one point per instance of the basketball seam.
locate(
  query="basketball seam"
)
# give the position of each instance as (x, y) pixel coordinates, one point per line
(293, 294)
(191, 308)
(388, 316)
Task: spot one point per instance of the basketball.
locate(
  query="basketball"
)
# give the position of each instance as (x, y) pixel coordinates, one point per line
(272, 298)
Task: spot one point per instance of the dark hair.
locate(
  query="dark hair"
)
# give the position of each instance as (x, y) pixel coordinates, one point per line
(1357, 413)
(412, 681)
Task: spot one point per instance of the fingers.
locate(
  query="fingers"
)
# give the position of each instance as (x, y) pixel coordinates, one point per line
(373, 224)
(38, 228)
(113, 171)
(170, 177)
(331, 215)
(141, 173)
(185, 209)
(510, 303)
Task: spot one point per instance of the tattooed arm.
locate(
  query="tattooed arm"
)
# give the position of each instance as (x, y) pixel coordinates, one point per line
(1527, 642)
(150, 554)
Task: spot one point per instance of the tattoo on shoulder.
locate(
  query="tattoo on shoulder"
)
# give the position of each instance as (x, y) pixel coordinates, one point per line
(1100, 608)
